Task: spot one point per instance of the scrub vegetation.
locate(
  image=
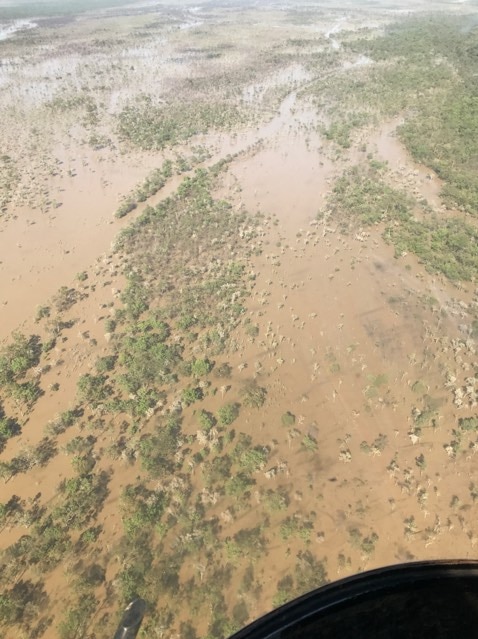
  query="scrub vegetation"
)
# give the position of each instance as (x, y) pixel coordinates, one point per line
(239, 400)
(426, 68)
(362, 197)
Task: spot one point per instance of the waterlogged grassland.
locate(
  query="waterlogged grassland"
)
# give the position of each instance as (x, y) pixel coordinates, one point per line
(187, 421)
(442, 128)
(97, 96)
(167, 400)
(184, 295)
(360, 97)
(442, 136)
(362, 197)
(50, 8)
(425, 68)
(151, 126)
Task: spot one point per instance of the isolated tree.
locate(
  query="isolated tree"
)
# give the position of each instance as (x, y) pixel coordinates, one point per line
(201, 367)
(253, 395)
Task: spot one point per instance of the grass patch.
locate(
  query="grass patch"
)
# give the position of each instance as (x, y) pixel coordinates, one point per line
(447, 246)
(444, 246)
(360, 195)
(152, 126)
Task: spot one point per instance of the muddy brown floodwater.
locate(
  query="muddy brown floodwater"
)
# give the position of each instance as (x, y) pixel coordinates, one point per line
(42, 251)
(357, 345)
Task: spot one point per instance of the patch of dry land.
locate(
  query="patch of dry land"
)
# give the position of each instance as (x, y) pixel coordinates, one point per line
(239, 304)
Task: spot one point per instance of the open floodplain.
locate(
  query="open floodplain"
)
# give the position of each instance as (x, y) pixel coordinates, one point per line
(238, 304)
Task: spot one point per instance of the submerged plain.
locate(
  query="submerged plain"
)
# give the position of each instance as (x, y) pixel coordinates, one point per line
(238, 306)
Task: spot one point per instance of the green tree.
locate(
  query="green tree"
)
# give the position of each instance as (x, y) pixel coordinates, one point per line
(9, 609)
(148, 360)
(135, 296)
(8, 428)
(157, 451)
(191, 395)
(201, 367)
(239, 485)
(228, 414)
(6, 471)
(18, 357)
(253, 459)
(77, 618)
(110, 325)
(253, 395)
(42, 311)
(25, 393)
(83, 464)
(206, 420)
(93, 389)
(83, 498)
(65, 299)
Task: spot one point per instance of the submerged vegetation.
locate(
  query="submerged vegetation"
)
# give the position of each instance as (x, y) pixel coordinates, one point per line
(444, 123)
(165, 454)
(184, 295)
(442, 136)
(425, 68)
(151, 126)
(362, 197)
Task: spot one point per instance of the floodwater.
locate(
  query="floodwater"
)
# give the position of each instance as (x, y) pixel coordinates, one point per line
(417, 179)
(9, 30)
(344, 338)
(328, 329)
(290, 76)
(40, 252)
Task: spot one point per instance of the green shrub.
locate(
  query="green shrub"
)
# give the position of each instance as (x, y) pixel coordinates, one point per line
(206, 420)
(288, 419)
(125, 208)
(228, 414)
(190, 395)
(105, 364)
(253, 395)
(201, 367)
